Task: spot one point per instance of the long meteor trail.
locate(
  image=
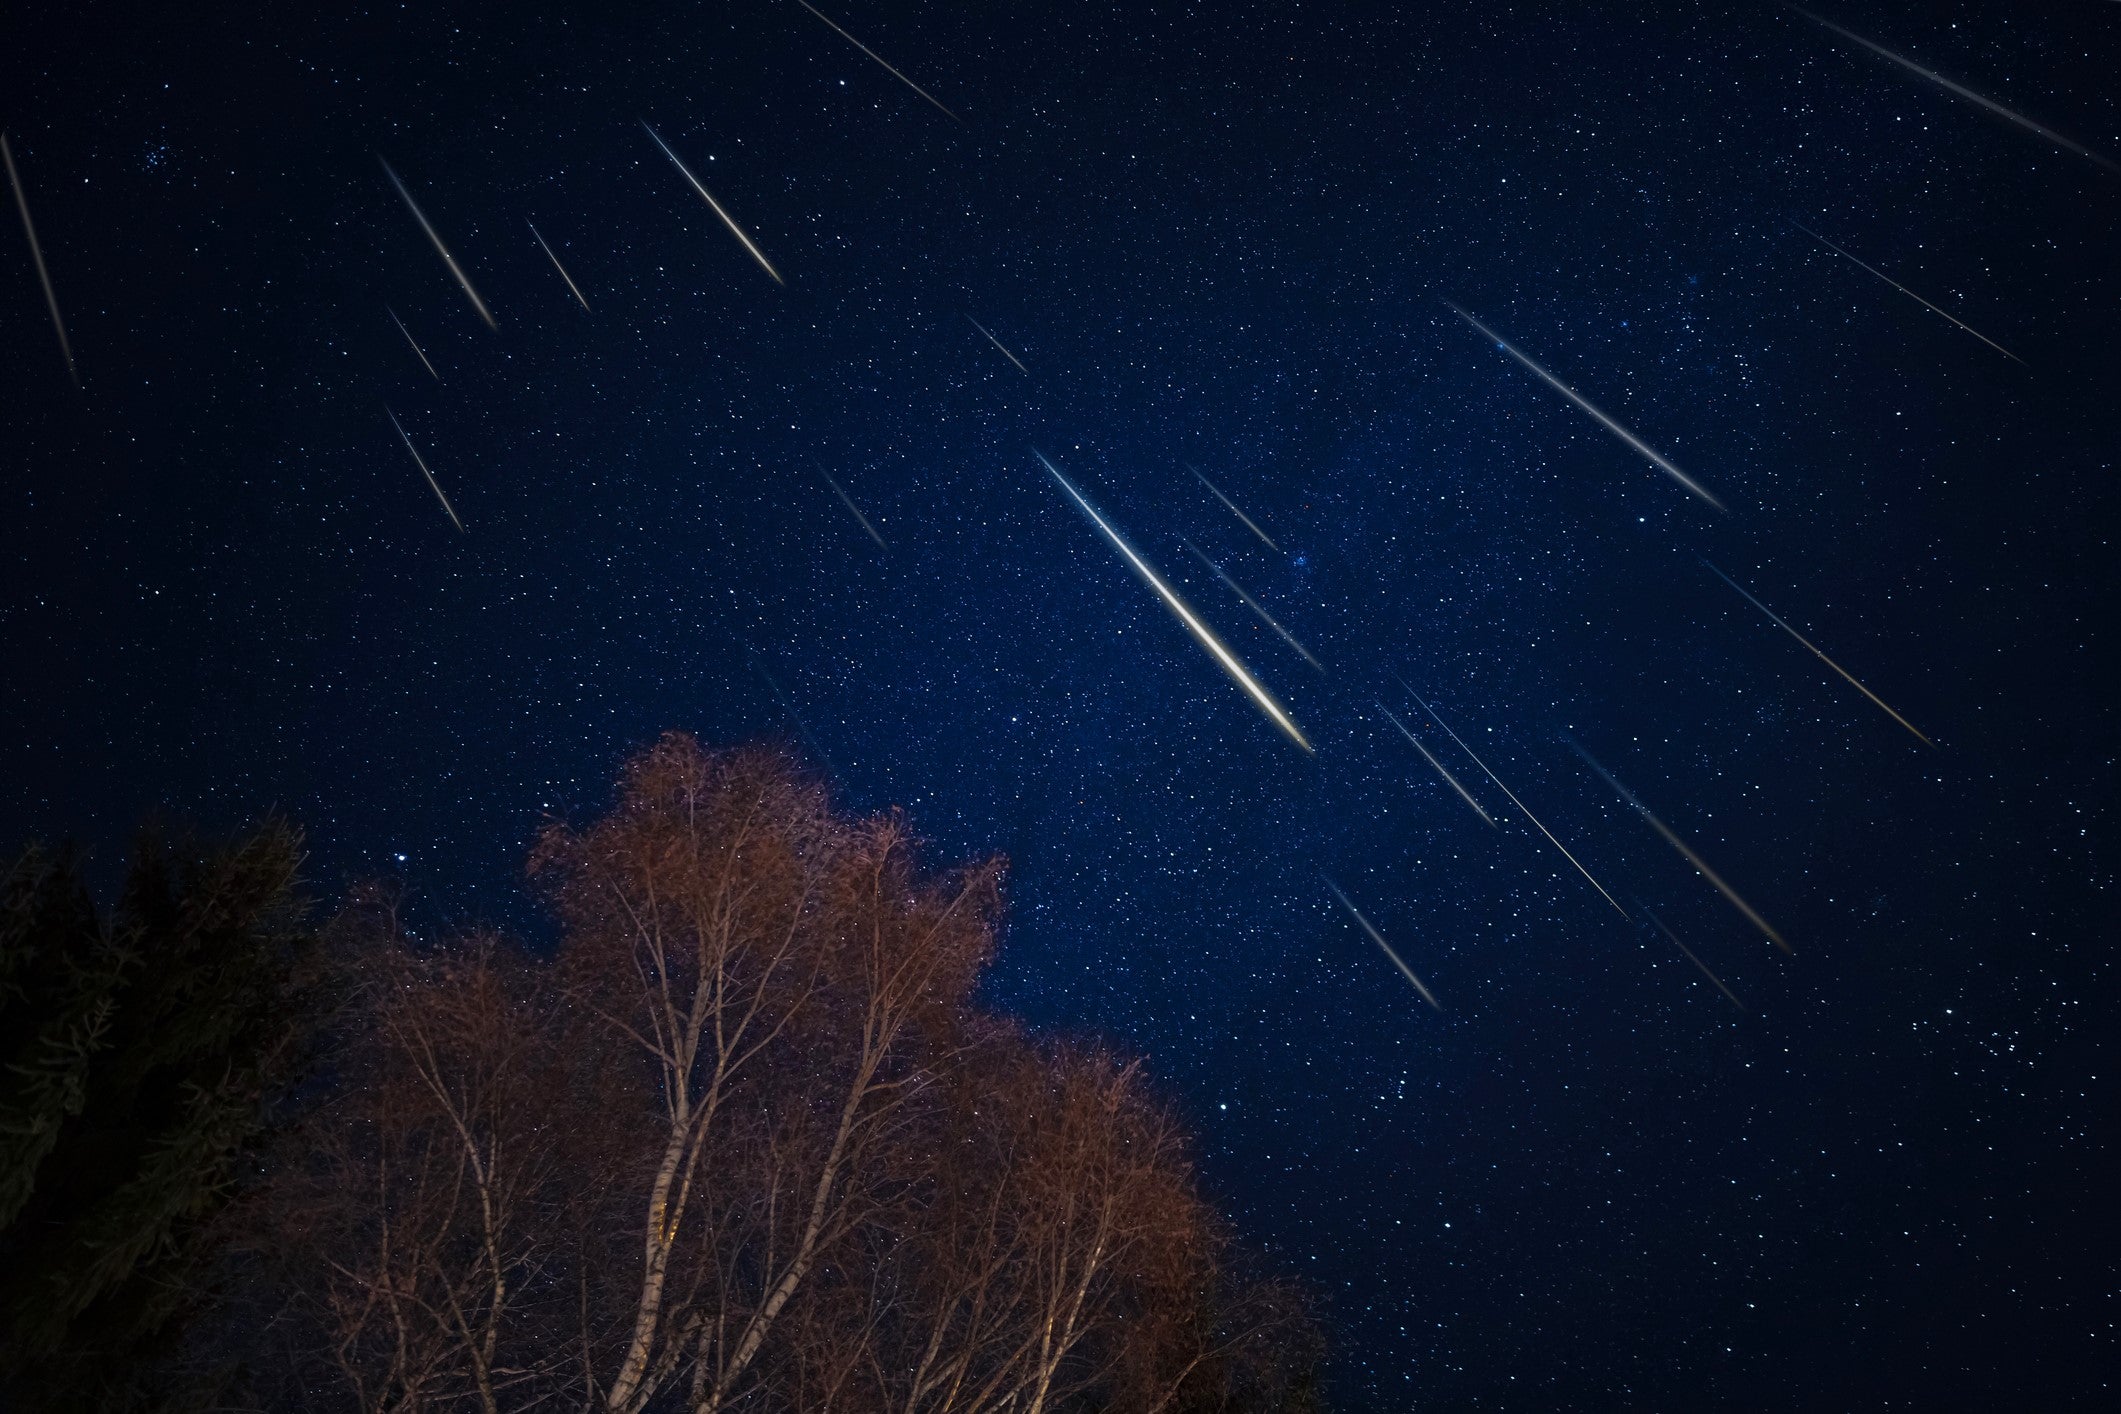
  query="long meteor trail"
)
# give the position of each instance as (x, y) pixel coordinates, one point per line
(1656, 459)
(1002, 346)
(440, 249)
(1200, 631)
(1847, 255)
(1814, 650)
(36, 251)
(1441, 769)
(1685, 851)
(880, 59)
(417, 351)
(1379, 939)
(422, 463)
(1253, 604)
(848, 502)
(1514, 800)
(2070, 144)
(708, 197)
(559, 267)
(1689, 954)
(1267, 539)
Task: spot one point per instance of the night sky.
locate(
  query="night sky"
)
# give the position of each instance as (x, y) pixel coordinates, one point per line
(1217, 236)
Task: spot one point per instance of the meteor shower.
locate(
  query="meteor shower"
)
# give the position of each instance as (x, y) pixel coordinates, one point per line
(1065, 707)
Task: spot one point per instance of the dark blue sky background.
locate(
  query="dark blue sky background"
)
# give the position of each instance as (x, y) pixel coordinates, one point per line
(1218, 235)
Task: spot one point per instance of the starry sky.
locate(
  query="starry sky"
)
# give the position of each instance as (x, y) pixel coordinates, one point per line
(1218, 236)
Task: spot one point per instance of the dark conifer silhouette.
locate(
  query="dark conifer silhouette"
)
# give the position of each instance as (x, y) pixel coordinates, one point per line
(139, 1051)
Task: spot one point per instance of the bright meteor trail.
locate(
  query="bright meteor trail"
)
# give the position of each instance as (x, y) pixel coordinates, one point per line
(1963, 91)
(1514, 800)
(1607, 423)
(1846, 676)
(29, 228)
(1379, 939)
(1687, 853)
(880, 59)
(440, 249)
(1186, 616)
(422, 463)
(708, 197)
(1236, 512)
(1449, 779)
(1003, 347)
(1908, 292)
(559, 267)
(1253, 605)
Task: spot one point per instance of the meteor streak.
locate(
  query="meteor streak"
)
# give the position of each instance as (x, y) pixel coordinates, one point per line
(708, 197)
(559, 267)
(1186, 616)
(29, 228)
(440, 249)
(1253, 605)
(1685, 851)
(1379, 939)
(1004, 348)
(1607, 423)
(1513, 799)
(848, 501)
(1235, 511)
(880, 59)
(1777, 622)
(1909, 293)
(1449, 779)
(417, 353)
(789, 707)
(1689, 954)
(1964, 92)
(422, 462)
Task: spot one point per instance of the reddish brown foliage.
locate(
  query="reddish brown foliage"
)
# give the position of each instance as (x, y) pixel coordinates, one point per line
(748, 1141)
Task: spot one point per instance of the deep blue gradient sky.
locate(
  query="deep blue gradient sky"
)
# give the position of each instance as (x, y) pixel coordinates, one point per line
(1218, 235)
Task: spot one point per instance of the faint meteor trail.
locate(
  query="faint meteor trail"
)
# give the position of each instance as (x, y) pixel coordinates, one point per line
(789, 707)
(559, 267)
(1513, 798)
(1200, 631)
(1685, 851)
(417, 352)
(1607, 423)
(1908, 292)
(880, 59)
(36, 251)
(848, 501)
(1845, 674)
(422, 463)
(1379, 939)
(1253, 605)
(1235, 511)
(708, 197)
(1003, 347)
(1963, 91)
(1689, 954)
(440, 249)
(1441, 770)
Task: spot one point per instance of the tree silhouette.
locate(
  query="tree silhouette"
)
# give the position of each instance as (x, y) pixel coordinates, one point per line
(748, 1140)
(138, 1053)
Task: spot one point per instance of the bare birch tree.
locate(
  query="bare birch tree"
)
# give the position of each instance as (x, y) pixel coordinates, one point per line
(420, 1212)
(750, 1142)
